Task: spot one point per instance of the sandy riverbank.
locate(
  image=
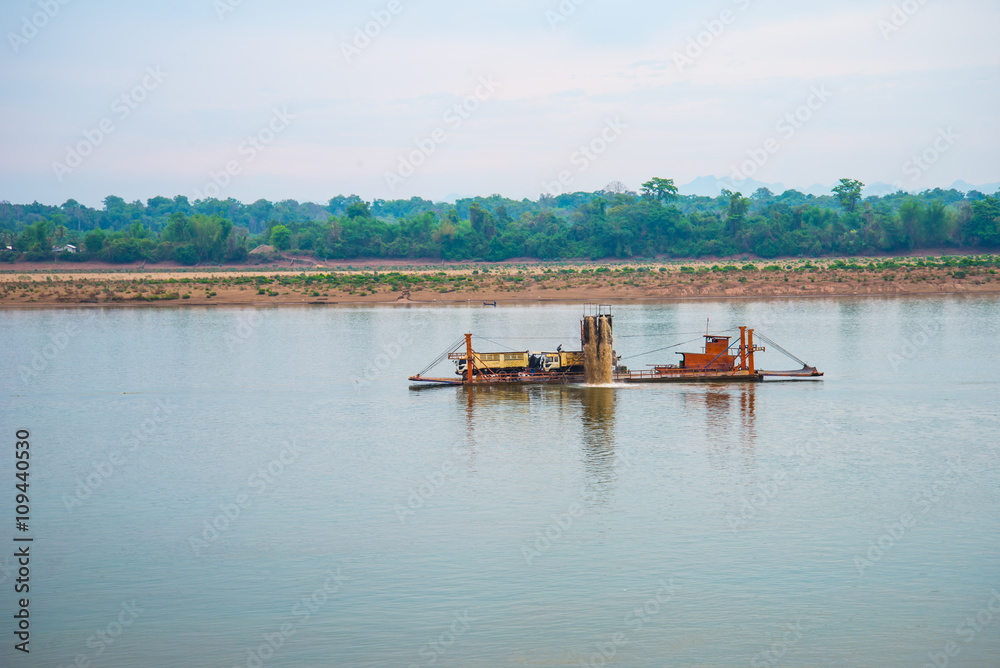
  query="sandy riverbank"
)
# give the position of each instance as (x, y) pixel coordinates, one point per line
(410, 284)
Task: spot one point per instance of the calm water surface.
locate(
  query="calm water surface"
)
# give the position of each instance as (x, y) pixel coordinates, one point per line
(262, 488)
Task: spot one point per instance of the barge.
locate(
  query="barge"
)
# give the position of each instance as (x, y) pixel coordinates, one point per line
(722, 359)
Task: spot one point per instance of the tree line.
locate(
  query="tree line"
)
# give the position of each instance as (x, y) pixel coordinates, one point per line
(613, 223)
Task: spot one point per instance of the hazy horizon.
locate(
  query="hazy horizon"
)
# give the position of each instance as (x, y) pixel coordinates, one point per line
(225, 98)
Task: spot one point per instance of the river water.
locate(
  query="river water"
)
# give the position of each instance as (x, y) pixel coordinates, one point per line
(262, 487)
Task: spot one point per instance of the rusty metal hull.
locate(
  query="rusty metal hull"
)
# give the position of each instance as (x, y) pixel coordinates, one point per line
(805, 372)
(509, 379)
(689, 377)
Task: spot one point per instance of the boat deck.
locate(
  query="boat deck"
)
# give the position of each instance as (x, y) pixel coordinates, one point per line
(666, 376)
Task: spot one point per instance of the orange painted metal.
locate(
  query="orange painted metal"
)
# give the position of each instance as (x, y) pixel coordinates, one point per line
(470, 377)
(714, 358)
(743, 348)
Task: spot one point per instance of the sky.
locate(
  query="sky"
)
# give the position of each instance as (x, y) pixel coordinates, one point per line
(392, 99)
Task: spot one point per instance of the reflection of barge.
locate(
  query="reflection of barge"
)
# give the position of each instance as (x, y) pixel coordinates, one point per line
(722, 360)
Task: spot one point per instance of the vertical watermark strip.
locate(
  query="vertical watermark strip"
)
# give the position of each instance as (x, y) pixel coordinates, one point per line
(22, 543)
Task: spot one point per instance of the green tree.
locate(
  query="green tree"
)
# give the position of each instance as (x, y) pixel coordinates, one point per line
(738, 205)
(186, 254)
(849, 193)
(138, 231)
(178, 230)
(94, 240)
(359, 210)
(482, 221)
(659, 190)
(210, 234)
(59, 234)
(35, 237)
(984, 225)
(281, 237)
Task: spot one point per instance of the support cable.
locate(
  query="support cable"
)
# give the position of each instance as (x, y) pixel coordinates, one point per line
(442, 356)
(779, 348)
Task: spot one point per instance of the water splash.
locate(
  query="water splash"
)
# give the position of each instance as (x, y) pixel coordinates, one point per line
(598, 344)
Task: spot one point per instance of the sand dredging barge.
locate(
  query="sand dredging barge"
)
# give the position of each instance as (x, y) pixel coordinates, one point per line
(722, 359)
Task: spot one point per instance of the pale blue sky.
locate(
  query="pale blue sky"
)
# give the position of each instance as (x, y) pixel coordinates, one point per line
(889, 96)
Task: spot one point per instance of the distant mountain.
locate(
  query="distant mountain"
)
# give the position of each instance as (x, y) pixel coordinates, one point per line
(710, 186)
(817, 189)
(878, 189)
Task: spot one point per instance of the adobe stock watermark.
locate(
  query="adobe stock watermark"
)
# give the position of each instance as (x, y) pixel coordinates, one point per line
(786, 127)
(121, 108)
(257, 657)
(445, 642)
(223, 7)
(101, 471)
(756, 501)
(383, 359)
(102, 640)
(425, 491)
(920, 163)
(634, 622)
(753, 503)
(772, 656)
(714, 29)
(246, 326)
(388, 354)
(33, 24)
(562, 13)
(248, 151)
(544, 538)
(258, 482)
(365, 35)
(57, 344)
(454, 117)
(42, 357)
(586, 155)
(921, 503)
(968, 631)
(899, 17)
(911, 346)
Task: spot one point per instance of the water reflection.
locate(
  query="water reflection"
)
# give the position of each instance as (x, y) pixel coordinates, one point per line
(586, 411)
(729, 415)
(725, 413)
(598, 421)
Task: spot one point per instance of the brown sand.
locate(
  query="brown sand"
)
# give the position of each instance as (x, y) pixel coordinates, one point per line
(29, 285)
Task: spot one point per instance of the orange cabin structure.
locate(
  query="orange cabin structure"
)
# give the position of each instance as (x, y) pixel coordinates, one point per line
(715, 358)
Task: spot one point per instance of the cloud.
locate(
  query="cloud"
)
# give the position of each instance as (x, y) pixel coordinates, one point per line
(560, 83)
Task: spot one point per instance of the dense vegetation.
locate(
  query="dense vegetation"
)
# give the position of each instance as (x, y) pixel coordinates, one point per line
(613, 223)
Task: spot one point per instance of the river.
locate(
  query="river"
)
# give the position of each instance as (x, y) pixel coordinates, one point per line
(262, 487)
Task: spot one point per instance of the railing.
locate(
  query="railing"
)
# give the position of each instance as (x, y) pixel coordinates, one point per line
(664, 372)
